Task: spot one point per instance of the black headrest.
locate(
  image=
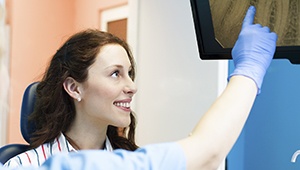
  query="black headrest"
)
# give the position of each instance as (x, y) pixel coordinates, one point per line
(27, 108)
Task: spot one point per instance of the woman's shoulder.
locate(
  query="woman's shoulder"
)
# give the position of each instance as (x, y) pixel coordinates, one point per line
(38, 155)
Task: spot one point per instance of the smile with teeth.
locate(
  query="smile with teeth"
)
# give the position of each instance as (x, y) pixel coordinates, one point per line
(122, 104)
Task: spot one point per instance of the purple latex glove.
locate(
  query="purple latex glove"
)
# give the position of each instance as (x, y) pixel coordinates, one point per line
(253, 50)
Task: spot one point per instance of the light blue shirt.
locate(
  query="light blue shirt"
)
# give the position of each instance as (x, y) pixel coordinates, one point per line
(163, 156)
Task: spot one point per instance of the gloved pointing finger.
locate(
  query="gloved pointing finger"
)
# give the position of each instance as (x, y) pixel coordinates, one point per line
(253, 50)
(249, 18)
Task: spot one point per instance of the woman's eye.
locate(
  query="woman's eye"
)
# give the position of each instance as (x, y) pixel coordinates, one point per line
(115, 74)
(130, 73)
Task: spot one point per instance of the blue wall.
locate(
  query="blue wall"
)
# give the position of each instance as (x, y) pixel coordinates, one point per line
(272, 132)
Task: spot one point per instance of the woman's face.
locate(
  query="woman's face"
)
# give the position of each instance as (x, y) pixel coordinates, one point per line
(108, 91)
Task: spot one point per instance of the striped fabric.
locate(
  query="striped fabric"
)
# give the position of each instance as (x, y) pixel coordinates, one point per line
(37, 156)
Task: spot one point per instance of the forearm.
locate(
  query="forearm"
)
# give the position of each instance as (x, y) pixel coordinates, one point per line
(220, 126)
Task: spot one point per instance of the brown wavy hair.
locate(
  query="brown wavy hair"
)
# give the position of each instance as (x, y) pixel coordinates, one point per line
(54, 109)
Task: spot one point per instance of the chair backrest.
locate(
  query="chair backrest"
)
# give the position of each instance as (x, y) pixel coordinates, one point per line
(28, 101)
(27, 108)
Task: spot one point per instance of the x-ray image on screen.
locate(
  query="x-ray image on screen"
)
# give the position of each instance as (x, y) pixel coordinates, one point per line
(281, 16)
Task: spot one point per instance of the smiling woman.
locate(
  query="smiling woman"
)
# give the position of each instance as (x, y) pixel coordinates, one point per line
(107, 92)
(85, 94)
(31, 23)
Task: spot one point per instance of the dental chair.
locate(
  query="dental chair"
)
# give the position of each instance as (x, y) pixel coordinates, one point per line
(28, 101)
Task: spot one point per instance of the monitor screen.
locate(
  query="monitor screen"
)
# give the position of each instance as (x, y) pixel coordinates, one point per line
(218, 23)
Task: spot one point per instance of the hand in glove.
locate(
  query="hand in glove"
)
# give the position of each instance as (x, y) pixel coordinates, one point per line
(253, 50)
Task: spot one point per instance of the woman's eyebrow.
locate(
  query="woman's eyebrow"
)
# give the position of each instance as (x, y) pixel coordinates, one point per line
(118, 66)
(114, 66)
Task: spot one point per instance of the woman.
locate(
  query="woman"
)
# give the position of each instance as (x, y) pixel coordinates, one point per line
(83, 100)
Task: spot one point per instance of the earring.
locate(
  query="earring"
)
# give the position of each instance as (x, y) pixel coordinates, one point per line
(78, 99)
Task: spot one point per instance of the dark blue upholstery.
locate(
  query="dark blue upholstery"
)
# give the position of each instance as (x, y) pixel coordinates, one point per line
(28, 101)
(11, 150)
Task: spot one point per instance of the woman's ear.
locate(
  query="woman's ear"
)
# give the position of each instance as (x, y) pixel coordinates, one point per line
(71, 86)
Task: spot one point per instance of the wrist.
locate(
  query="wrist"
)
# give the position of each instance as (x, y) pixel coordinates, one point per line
(244, 81)
(253, 76)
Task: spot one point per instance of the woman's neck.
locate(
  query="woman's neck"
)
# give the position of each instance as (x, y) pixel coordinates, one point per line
(83, 137)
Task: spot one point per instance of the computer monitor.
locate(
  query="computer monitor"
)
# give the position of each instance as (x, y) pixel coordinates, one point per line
(217, 24)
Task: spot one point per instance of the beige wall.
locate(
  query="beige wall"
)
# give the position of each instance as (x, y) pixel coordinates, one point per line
(38, 28)
(87, 12)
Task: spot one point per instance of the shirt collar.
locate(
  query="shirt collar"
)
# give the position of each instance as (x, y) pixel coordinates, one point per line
(107, 146)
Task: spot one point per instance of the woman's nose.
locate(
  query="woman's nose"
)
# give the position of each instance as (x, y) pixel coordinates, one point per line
(130, 87)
